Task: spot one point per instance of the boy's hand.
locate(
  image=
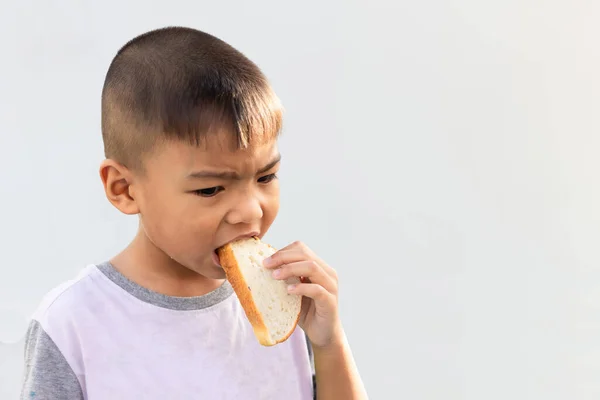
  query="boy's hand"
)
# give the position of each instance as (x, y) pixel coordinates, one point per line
(319, 317)
(337, 376)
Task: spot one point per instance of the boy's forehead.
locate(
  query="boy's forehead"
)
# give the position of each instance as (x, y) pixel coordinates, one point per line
(215, 153)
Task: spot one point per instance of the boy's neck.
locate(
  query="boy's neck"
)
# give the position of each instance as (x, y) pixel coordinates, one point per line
(149, 267)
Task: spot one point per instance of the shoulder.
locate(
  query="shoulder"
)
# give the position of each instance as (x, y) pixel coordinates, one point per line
(66, 299)
(53, 367)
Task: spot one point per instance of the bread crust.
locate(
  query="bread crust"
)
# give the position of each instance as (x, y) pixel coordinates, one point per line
(240, 287)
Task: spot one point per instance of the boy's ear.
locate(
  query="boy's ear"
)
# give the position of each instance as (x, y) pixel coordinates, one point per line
(117, 181)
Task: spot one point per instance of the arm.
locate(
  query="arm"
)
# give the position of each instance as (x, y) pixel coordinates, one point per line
(336, 373)
(47, 374)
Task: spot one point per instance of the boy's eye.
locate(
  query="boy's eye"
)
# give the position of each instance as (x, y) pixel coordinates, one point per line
(209, 192)
(267, 178)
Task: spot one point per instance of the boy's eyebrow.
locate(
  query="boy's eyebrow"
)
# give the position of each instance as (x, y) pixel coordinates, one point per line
(230, 175)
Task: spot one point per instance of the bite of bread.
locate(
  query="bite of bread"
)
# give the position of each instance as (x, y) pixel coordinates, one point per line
(270, 309)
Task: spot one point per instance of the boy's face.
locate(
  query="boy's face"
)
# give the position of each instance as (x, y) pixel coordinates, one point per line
(192, 200)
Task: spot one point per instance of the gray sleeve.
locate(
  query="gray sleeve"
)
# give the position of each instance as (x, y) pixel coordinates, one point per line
(47, 374)
(312, 366)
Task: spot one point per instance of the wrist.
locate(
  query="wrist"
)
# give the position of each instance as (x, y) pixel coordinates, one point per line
(336, 344)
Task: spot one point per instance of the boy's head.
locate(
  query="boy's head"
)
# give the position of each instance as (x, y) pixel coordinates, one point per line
(190, 128)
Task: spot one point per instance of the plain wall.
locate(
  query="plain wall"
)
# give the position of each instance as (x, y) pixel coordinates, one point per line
(442, 155)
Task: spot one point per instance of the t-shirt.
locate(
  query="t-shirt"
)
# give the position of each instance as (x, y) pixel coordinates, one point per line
(101, 336)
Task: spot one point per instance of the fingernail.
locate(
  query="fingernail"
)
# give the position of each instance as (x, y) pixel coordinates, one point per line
(276, 273)
(267, 262)
(291, 288)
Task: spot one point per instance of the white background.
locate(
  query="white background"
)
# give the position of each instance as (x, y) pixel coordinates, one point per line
(441, 154)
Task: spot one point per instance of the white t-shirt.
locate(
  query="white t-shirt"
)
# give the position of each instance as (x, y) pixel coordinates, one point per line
(102, 336)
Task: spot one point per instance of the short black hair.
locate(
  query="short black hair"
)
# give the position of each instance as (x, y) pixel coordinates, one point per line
(175, 83)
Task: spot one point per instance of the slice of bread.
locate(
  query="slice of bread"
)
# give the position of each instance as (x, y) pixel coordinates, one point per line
(271, 310)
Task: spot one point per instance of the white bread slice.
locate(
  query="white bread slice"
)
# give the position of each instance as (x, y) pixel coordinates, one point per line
(271, 310)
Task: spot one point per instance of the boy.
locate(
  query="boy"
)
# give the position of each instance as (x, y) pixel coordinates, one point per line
(190, 128)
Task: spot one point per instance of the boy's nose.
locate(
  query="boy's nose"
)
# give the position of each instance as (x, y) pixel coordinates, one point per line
(246, 211)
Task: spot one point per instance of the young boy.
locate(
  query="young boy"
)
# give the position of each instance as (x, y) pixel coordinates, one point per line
(190, 130)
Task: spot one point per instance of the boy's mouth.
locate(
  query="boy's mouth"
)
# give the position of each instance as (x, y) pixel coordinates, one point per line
(215, 258)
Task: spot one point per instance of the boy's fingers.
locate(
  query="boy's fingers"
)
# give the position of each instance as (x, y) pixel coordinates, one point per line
(306, 269)
(297, 252)
(311, 290)
(286, 257)
(331, 272)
